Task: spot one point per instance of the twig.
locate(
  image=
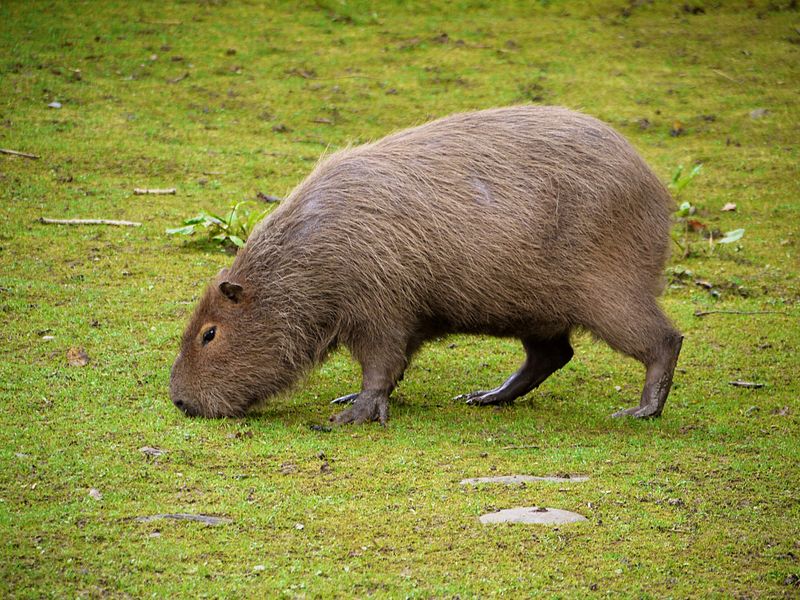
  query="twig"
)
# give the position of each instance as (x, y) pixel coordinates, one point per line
(47, 221)
(520, 447)
(703, 313)
(155, 192)
(15, 153)
(163, 22)
(725, 75)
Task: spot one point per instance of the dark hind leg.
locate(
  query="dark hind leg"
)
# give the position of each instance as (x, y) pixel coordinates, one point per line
(641, 330)
(543, 358)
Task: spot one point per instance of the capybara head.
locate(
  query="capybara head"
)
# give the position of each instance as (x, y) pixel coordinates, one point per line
(224, 366)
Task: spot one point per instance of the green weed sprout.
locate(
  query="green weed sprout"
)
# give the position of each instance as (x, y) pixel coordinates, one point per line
(229, 230)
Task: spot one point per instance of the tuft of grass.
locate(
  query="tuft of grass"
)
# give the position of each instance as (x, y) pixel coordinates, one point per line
(221, 99)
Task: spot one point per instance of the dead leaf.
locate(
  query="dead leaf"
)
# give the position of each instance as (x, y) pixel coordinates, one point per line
(77, 357)
(729, 207)
(267, 197)
(758, 113)
(677, 129)
(95, 493)
(784, 411)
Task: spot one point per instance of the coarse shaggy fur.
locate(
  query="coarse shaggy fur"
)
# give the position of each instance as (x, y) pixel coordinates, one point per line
(526, 222)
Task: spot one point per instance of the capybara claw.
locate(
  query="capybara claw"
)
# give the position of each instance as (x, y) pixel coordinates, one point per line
(346, 399)
(638, 412)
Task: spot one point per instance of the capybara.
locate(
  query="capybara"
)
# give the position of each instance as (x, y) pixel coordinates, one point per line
(523, 222)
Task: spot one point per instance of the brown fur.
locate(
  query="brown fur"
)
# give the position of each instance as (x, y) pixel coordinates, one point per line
(524, 222)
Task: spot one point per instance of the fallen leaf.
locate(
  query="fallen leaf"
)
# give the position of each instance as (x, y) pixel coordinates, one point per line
(267, 197)
(95, 493)
(55, 105)
(729, 207)
(677, 129)
(77, 357)
(758, 113)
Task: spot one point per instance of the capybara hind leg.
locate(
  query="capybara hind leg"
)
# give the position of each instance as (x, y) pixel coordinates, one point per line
(543, 358)
(658, 381)
(637, 327)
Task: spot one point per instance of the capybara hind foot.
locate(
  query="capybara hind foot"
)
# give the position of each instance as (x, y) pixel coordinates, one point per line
(368, 406)
(487, 397)
(346, 399)
(657, 383)
(543, 358)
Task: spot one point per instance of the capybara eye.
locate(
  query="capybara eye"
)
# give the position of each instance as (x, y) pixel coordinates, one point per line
(209, 335)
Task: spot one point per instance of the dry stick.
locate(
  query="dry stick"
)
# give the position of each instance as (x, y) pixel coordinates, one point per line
(15, 153)
(703, 313)
(520, 447)
(47, 221)
(143, 191)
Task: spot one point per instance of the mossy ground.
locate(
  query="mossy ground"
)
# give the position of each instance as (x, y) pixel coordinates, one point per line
(225, 99)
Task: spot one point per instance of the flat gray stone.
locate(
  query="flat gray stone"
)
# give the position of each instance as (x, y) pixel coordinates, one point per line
(533, 514)
(207, 519)
(518, 479)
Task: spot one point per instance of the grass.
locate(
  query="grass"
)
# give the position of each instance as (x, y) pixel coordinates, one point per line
(226, 99)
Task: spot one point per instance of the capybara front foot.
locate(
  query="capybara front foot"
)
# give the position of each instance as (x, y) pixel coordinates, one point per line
(368, 406)
(346, 399)
(486, 398)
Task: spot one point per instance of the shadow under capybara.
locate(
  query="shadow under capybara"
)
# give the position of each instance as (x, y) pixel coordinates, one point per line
(524, 222)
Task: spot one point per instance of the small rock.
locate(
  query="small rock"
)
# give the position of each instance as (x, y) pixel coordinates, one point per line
(533, 514)
(95, 493)
(299, 526)
(746, 384)
(758, 113)
(207, 519)
(518, 479)
(55, 105)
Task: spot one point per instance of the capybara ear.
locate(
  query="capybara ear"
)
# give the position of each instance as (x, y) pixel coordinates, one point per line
(232, 291)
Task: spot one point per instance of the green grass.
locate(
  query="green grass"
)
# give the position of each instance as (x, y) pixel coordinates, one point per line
(703, 502)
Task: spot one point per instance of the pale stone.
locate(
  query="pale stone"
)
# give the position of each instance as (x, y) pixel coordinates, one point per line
(518, 479)
(532, 514)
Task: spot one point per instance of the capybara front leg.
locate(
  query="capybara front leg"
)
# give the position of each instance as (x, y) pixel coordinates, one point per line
(370, 405)
(658, 382)
(380, 373)
(543, 358)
